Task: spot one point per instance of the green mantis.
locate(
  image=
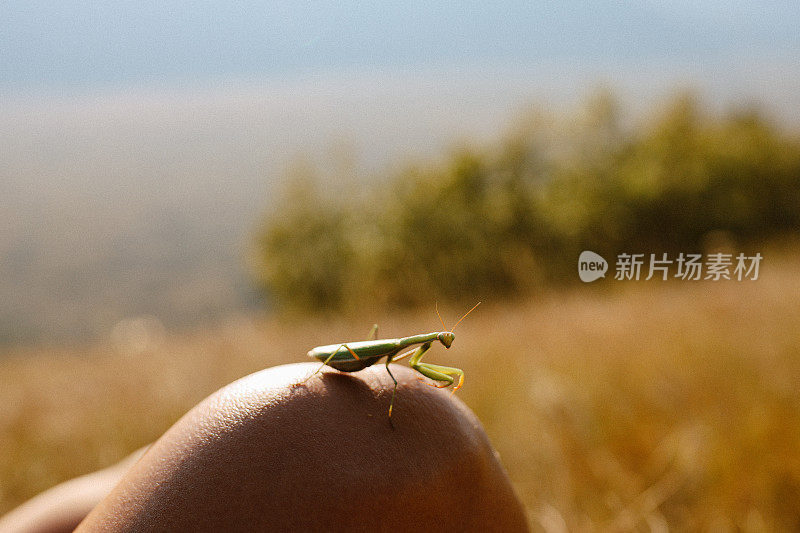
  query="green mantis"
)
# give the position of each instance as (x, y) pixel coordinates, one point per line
(355, 356)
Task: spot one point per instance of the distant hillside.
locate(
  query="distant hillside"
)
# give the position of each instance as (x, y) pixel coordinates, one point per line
(121, 204)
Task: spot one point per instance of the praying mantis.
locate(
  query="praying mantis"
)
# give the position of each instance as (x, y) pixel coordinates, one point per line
(355, 356)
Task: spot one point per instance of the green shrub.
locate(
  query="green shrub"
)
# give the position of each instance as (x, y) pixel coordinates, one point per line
(513, 217)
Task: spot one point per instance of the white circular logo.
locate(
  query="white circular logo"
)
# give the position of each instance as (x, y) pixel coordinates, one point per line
(591, 266)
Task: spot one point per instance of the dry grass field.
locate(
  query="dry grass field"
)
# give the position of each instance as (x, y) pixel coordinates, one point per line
(670, 404)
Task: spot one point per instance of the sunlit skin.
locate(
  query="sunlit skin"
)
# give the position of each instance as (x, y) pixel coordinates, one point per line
(355, 356)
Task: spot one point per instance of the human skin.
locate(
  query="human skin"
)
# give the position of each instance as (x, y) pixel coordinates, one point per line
(269, 453)
(61, 508)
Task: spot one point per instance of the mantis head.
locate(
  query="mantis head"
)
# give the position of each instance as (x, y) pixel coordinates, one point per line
(446, 338)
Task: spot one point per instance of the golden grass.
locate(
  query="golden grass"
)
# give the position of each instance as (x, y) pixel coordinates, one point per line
(660, 404)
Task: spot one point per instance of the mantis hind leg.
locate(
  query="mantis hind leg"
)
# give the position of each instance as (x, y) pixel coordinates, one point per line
(319, 368)
(328, 360)
(443, 374)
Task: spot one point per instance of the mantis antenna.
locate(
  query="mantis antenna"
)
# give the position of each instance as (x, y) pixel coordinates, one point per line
(465, 315)
(459, 320)
(440, 316)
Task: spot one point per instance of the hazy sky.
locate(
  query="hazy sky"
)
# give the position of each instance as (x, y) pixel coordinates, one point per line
(70, 44)
(139, 140)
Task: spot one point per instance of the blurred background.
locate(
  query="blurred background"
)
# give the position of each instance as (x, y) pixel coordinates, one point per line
(191, 192)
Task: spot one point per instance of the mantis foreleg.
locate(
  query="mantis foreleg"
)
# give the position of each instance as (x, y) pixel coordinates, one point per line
(444, 374)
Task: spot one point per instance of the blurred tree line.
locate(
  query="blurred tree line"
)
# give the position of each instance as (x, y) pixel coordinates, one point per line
(512, 217)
